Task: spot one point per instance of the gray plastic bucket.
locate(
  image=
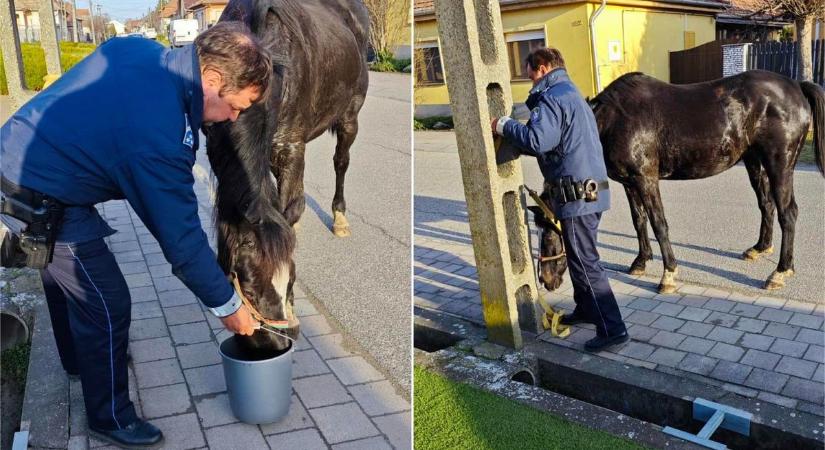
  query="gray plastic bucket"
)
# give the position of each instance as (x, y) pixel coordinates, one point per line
(259, 390)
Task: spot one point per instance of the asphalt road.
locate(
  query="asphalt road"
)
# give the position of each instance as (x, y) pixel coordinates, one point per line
(364, 280)
(711, 222)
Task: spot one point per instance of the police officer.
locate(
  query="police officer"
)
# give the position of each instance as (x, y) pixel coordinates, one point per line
(123, 124)
(562, 134)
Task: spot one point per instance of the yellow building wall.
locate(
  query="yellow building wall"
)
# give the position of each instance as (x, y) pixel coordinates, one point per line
(645, 38)
(640, 37)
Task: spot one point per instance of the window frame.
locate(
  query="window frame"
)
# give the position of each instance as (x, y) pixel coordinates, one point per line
(521, 36)
(424, 45)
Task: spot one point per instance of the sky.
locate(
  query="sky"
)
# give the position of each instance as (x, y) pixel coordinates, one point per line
(121, 10)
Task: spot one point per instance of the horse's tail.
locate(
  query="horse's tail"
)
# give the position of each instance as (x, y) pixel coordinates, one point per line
(816, 97)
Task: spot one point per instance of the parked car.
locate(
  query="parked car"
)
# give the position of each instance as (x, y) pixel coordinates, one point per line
(182, 32)
(150, 33)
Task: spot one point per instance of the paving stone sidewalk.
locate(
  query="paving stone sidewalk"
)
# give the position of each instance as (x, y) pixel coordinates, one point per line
(339, 400)
(758, 346)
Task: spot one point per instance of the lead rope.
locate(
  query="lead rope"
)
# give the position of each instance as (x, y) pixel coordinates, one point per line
(551, 320)
(273, 326)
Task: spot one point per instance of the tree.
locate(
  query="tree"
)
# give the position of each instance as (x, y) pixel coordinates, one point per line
(388, 20)
(803, 13)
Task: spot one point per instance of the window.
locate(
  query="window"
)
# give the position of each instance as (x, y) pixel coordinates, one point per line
(519, 45)
(428, 63)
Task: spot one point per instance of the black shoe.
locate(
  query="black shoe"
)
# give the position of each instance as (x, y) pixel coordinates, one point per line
(139, 434)
(600, 343)
(574, 319)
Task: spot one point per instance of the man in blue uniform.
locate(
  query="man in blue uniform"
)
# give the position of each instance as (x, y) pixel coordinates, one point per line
(123, 124)
(562, 134)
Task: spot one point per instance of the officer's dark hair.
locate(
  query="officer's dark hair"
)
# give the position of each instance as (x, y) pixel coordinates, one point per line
(231, 49)
(543, 57)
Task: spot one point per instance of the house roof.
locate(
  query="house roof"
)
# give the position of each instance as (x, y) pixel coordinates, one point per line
(197, 4)
(82, 12)
(171, 8)
(427, 8)
(744, 12)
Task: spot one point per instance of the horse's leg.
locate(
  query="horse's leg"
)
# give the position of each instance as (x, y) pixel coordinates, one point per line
(288, 169)
(637, 211)
(781, 178)
(655, 211)
(759, 182)
(346, 132)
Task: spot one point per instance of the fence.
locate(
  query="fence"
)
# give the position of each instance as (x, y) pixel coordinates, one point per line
(783, 57)
(706, 62)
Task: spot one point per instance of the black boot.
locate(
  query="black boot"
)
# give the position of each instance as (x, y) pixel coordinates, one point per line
(139, 434)
(600, 343)
(574, 318)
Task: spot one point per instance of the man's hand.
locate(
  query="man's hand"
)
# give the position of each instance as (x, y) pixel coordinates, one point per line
(241, 322)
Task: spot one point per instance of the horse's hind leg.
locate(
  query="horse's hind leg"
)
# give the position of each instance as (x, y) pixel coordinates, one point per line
(656, 213)
(759, 182)
(637, 211)
(346, 132)
(780, 174)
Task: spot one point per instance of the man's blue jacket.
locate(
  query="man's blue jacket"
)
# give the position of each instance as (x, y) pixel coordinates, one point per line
(563, 136)
(122, 123)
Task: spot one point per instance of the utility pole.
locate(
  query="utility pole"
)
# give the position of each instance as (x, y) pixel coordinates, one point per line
(92, 16)
(102, 22)
(180, 9)
(74, 21)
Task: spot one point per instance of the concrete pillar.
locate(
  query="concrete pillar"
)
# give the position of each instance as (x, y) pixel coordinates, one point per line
(12, 58)
(48, 40)
(478, 80)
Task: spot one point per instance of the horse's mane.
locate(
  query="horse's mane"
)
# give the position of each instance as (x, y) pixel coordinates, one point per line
(246, 188)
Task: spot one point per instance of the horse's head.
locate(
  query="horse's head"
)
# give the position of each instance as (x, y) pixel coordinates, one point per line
(552, 258)
(257, 249)
(255, 242)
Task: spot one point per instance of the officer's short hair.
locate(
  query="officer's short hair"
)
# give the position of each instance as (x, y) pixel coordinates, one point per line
(543, 57)
(231, 49)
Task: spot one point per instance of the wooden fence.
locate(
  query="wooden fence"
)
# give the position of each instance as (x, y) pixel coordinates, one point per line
(704, 63)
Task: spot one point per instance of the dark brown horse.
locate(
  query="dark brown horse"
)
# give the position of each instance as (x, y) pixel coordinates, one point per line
(651, 131)
(319, 82)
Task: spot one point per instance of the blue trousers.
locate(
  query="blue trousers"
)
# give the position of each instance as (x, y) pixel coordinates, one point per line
(591, 290)
(90, 308)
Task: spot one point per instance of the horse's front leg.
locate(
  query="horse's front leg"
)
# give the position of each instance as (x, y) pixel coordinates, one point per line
(345, 133)
(637, 212)
(655, 211)
(288, 169)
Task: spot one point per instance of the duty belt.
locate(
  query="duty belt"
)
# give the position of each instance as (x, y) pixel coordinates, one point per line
(566, 190)
(42, 215)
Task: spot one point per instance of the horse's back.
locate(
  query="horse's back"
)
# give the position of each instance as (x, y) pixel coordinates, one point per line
(695, 130)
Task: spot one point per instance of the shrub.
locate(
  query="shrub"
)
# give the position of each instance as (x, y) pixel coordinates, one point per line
(34, 62)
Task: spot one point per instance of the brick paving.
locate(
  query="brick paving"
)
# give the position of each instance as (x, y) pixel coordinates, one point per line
(339, 400)
(758, 346)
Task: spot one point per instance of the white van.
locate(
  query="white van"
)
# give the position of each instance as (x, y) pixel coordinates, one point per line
(182, 32)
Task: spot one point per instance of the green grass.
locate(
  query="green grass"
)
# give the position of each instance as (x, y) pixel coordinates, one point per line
(450, 415)
(34, 62)
(15, 362)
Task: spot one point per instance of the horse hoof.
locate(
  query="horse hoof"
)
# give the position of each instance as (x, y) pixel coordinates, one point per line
(636, 271)
(752, 254)
(668, 283)
(340, 226)
(777, 279)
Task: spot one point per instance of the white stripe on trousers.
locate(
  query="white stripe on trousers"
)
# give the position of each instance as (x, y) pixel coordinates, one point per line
(109, 320)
